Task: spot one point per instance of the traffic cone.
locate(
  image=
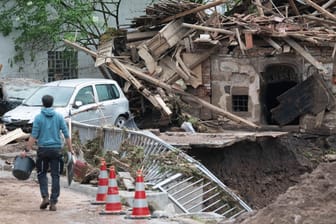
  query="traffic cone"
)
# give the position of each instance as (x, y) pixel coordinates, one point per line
(140, 206)
(113, 204)
(102, 185)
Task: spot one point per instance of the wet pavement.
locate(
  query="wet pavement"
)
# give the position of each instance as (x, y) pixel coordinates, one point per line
(20, 204)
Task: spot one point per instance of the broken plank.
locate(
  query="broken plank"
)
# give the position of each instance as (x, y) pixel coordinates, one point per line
(309, 96)
(167, 38)
(241, 44)
(197, 79)
(12, 136)
(320, 20)
(180, 62)
(319, 119)
(163, 104)
(260, 10)
(199, 58)
(325, 6)
(149, 60)
(194, 10)
(293, 6)
(168, 68)
(181, 73)
(219, 110)
(104, 54)
(136, 36)
(324, 12)
(145, 92)
(173, 32)
(305, 54)
(210, 29)
(274, 44)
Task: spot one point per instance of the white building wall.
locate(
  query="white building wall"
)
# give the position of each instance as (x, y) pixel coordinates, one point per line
(39, 67)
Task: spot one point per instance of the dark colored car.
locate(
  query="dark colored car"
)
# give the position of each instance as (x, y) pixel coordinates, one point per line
(14, 90)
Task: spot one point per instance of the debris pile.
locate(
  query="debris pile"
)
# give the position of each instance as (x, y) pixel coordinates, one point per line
(164, 53)
(127, 160)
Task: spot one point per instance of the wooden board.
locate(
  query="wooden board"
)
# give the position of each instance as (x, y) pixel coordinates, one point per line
(309, 96)
(104, 53)
(167, 37)
(13, 135)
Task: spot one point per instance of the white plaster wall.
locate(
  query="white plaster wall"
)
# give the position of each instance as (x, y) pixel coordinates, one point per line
(29, 69)
(6, 50)
(38, 69)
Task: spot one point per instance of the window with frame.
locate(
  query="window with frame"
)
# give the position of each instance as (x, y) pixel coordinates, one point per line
(240, 103)
(85, 95)
(62, 65)
(107, 92)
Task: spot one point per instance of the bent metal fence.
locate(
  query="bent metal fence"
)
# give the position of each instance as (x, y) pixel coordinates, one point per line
(189, 185)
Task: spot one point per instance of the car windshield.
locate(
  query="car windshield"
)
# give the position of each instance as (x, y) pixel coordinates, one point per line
(61, 96)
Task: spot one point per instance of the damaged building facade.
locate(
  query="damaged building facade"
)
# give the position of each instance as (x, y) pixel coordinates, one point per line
(249, 86)
(270, 68)
(273, 67)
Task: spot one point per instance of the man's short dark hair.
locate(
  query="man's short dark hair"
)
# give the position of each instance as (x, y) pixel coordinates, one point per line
(47, 100)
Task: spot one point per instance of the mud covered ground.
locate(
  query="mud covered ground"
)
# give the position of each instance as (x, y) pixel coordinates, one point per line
(311, 201)
(260, 171)
(284, 180)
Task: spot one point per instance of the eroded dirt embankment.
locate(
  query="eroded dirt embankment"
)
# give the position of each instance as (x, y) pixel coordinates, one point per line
(260, 171)
(311, 201)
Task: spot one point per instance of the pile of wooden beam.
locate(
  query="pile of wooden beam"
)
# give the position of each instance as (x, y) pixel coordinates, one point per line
(163, 55)
(8, 137)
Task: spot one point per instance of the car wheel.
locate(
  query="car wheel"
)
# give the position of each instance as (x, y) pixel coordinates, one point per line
(120, 121)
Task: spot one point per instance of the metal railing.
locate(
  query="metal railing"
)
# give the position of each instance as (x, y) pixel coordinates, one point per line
(190, 192)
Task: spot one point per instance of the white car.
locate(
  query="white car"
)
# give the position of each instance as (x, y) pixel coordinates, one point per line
(90, 101)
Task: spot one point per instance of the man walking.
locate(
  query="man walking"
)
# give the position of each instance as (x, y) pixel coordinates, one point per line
(46, 131)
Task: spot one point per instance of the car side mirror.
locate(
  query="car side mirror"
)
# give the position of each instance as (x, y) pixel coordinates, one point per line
(77, 104)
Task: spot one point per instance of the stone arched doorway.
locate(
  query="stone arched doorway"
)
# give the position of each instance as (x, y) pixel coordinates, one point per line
(276, 79)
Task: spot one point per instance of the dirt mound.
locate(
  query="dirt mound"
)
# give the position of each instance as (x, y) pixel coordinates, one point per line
(260, 171)
(311, 201)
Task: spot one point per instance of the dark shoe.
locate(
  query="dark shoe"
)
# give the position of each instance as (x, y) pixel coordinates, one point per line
(52, 207)
(45, 203)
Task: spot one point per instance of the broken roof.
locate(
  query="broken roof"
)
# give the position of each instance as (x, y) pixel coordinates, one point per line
(150, 58)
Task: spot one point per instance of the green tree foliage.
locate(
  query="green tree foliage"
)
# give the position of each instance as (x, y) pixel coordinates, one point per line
(40, 25)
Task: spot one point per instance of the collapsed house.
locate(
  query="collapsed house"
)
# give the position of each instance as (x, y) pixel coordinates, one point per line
(272, 67)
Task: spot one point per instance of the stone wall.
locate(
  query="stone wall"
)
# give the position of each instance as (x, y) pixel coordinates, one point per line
(236, 74)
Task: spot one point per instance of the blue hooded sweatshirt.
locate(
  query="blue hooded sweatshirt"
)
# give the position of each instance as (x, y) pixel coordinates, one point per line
(46, 128)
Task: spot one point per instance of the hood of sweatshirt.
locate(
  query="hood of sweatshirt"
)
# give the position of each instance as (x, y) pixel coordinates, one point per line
(48, 112)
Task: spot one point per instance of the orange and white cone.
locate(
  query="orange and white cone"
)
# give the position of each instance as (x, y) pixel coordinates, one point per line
(102, 185)
(113, 204)
(140, 206)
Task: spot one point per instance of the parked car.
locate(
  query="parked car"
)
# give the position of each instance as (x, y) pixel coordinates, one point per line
(90, 101)
(14, 90)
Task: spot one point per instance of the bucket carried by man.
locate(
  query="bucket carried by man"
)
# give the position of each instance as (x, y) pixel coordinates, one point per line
(23, 167)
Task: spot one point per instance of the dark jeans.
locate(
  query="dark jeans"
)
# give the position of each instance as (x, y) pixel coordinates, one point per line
(49, 157)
